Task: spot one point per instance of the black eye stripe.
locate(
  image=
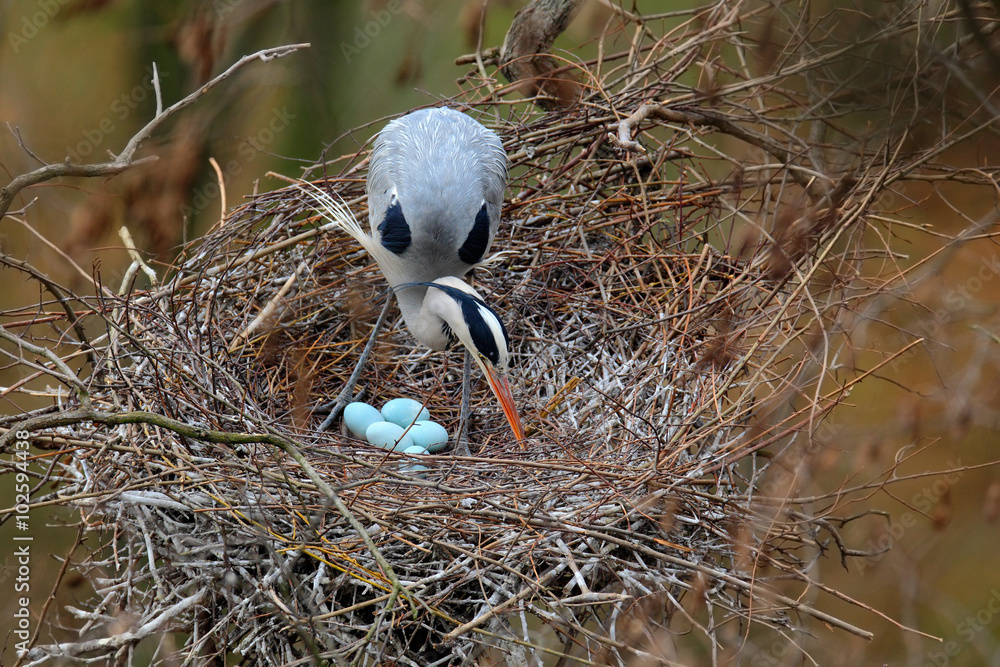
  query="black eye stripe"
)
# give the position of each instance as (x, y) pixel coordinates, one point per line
(395, 233)
(479, 330)
(478, 240)
(472, 313)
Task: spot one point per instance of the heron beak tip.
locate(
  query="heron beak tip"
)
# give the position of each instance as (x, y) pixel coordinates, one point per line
(501, 389)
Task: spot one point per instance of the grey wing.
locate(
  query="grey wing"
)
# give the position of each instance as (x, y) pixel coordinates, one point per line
(381, 181)
(490, 173)
(494, 177)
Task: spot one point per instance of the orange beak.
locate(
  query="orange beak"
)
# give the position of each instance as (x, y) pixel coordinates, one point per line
(501, 388)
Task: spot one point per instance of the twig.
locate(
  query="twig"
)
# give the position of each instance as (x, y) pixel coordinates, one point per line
(125, 638)
(126, 159)
(65, 375)
(62, 295)
(137, 259)
(627, 127)
(268, 310)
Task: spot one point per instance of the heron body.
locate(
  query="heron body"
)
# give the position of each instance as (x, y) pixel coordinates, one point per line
(435, 188)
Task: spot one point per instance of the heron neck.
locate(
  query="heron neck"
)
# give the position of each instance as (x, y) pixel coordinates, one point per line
(426, 327)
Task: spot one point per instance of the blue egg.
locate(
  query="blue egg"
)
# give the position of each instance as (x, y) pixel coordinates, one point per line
(429, 435)
(414, 468)
(404, 411)
(388, 436)
(359, 416)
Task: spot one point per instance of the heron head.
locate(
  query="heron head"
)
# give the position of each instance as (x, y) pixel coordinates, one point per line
(467, 318)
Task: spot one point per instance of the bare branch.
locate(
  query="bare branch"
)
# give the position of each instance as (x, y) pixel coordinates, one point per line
(126, 159)
(524, 54)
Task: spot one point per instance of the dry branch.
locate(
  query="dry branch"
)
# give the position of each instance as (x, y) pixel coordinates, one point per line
(126, 159)
(524, 56)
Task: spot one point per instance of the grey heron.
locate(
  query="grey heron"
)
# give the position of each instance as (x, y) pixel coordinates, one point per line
(435, 186)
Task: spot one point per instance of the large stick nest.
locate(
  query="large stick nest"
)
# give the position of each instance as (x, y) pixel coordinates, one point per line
(671, 314)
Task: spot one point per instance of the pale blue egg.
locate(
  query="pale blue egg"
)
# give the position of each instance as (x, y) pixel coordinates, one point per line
(429, 435)
(414, 468)
(388, 436)
(404, 411)
(359, 416)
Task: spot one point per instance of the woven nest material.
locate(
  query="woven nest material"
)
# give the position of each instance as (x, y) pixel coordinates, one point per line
(655, 352)
(625, 496)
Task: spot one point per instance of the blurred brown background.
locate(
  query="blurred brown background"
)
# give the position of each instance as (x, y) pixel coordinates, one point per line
(74, 81)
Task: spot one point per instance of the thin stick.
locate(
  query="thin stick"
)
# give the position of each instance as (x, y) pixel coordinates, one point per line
(126, 159)
(347, 393)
